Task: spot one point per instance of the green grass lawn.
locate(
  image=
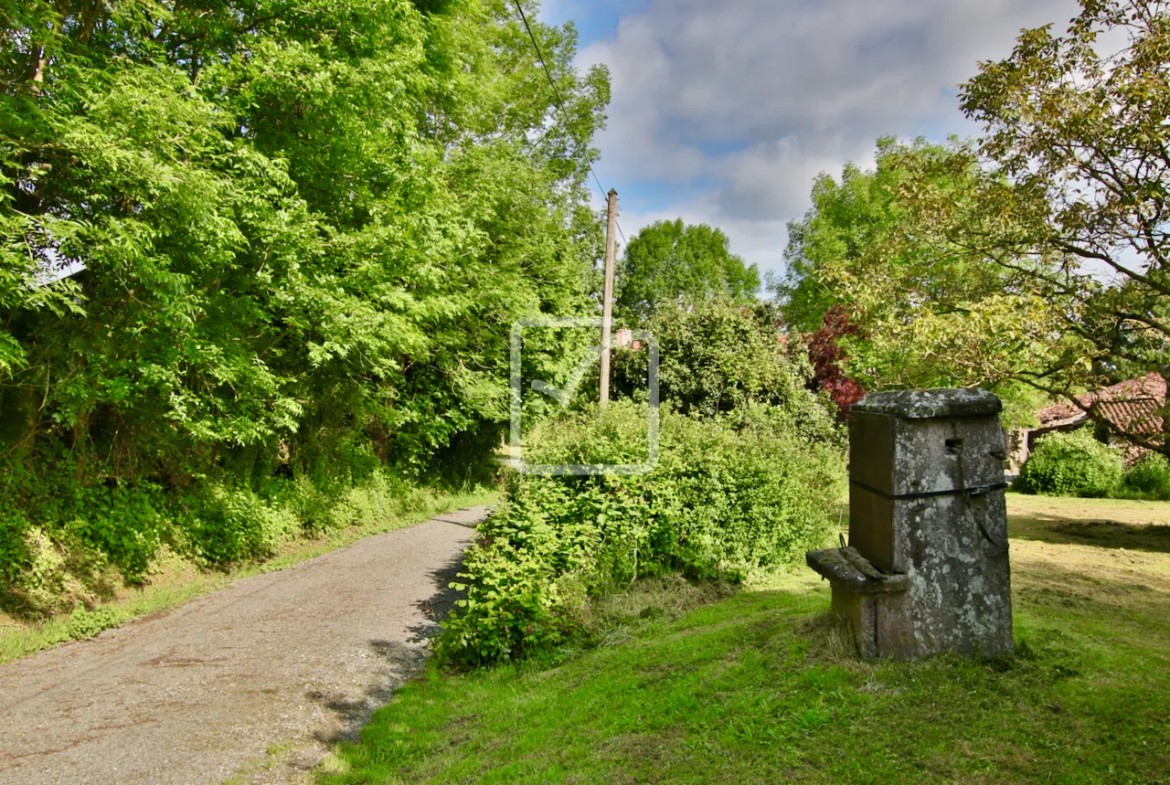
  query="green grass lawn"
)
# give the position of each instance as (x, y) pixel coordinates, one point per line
(762, 687)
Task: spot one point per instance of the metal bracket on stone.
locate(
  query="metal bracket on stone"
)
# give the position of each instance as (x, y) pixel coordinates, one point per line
(847, 568)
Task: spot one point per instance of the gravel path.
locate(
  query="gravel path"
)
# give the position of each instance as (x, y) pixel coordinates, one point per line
(254, 681)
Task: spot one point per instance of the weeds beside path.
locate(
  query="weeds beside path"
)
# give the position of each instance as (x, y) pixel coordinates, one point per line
(253, 681)
(176, 580)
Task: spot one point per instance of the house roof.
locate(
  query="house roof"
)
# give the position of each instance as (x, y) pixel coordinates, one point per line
(1132, 405)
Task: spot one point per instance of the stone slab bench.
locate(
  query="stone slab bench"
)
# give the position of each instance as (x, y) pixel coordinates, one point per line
(847, 568)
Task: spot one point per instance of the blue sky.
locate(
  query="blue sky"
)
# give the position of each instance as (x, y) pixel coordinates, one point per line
(724, 112)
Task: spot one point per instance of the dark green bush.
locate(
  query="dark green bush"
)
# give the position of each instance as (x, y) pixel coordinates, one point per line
(125, 524)
(729, 495)
(1071, 464)
(1148, 478)
(61, 541)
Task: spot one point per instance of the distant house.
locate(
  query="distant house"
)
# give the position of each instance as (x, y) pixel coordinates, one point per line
(1133, 405)
(625, 338)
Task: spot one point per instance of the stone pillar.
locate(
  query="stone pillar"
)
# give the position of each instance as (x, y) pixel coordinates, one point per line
(926, 569)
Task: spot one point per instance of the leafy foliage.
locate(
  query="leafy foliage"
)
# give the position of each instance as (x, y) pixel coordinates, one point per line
(717, 358)
(669, 263)
(1148, 478)
(847, 220)
(246, 238)
(1071, 464)
(730, 494)
(827, 357)
(923, 310)
(87, 624)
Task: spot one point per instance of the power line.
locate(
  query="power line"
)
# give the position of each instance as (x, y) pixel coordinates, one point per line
(557, 97)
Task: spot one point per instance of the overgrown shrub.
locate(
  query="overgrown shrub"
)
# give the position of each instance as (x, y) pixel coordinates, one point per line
(717, 357)
(232, 525)
(62, 544)
(729, 495)
(1071, 464)
(1148, 478)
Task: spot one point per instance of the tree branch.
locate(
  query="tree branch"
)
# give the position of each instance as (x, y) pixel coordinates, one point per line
(1086, 253)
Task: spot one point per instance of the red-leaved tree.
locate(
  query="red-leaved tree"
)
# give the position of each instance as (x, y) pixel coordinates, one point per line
(826, 354)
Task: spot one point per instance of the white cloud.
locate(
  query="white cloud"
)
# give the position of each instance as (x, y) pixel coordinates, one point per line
(771, 179)
(748, 100)
(754, 240)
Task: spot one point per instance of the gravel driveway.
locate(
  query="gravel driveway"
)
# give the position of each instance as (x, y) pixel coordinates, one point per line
(254, 681)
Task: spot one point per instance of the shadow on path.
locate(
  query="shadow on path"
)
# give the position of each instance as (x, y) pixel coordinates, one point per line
(403, 660)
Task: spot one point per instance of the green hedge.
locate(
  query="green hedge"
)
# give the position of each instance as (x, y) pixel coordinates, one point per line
(1149, 478)
(1071, 464)
(729, 495)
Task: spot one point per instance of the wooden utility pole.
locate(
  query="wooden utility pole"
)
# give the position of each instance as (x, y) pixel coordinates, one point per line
(607, 301)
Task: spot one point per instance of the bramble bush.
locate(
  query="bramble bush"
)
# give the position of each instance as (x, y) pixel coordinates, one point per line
(729, 495)
(1071, 464)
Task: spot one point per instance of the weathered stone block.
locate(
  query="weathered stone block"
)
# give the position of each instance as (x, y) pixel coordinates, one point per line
(927, 512)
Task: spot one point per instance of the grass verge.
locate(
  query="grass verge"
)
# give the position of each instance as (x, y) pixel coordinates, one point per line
(762, 687)
(176, 580)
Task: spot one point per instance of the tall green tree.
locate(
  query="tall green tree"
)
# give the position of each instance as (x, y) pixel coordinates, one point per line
(307, 224)
(859, 236)
(1077, 125)
(847, 218)
(236, 233)
(670, 262)
(1056, 219)
(923, 311)
(1061, 210)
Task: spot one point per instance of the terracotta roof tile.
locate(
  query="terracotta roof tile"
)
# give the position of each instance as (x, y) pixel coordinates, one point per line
(1132, 404)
